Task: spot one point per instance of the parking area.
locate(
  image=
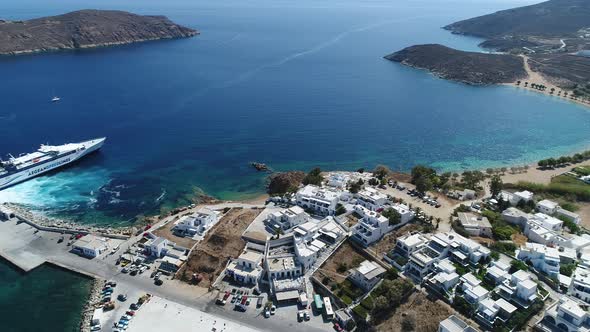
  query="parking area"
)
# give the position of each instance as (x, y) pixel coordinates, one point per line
(245, 303)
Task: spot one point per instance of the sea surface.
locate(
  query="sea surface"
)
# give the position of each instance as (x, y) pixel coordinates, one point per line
(294, 84)
(46, 299)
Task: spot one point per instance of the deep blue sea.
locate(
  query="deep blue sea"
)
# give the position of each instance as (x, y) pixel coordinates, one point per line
(294, 84)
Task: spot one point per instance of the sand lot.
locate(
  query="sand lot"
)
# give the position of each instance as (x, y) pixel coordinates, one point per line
(162, 315)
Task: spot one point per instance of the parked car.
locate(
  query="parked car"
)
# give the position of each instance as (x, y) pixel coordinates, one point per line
(95, 328)
(273, 309)
(125, 270)
(300, 316)
(337, 327)
(266, 313)
(130, 313)
(259, 303)
(306, 315)
(159, 282)
(122, 297)
(133, 306)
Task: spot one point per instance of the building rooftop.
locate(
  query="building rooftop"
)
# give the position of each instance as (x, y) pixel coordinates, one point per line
(90, 242)
(505, 305)
(455, 324)
(251, 256)
(548, 204)
(370, 269)
(470, 220)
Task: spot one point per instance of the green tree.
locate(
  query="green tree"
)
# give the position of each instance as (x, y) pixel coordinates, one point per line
(496, 185)
(314, 177)
(567, 269)
(381, 171)
(423, 184)
(392, 215)
(340, 209)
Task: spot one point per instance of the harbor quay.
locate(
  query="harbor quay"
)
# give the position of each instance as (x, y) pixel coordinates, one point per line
(25, 245)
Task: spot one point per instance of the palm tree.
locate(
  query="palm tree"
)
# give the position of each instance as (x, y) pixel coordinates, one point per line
(517, 82)
(526, 84)
(552, 90)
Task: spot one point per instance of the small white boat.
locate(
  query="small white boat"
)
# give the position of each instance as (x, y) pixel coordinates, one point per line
(55, 99)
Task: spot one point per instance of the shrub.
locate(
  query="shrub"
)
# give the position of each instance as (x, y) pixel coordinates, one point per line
(504, 247)
(567, 269)
(368, 303)
(360, 311)
(314, 177)
(346, 299)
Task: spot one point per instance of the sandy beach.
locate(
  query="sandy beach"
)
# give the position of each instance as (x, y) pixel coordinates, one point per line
(536, 78)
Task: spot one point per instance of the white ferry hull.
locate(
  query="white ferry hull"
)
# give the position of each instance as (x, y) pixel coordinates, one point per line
(24, 175)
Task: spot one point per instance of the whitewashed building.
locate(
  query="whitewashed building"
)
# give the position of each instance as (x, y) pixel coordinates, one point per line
(548, 207)
(543, 258)
(320, 200)
(372, 226)
(454, 324)
(367, 275)
(580, 286)
(566, 314)
(288, 218)
(371, 199)
(475, 225)
(90, 245)
(197, 223)
(520, 288)
(247, 268)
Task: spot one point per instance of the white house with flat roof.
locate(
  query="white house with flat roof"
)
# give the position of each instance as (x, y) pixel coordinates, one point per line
(197, 223)
(489, 311)
(367, 275)
(288, 218)
(543, 258)
(475, 225)
(520, 289)
(409, 243)
(497, 272)
(571, 216)
(90, 245)
(320, 200)
(548, 207)
(517, 197)
(454, 324)
(247, 268)
(566, 314)
(371, 199)
(580, 284)
(445, 275)
(156, 246)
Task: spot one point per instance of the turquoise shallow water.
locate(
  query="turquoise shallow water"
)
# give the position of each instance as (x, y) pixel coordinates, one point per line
(47, 299)
(293, 84)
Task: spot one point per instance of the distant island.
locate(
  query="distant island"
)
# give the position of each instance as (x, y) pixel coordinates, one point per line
(85, 29)
(548, 26)
(544, 47)
(467, 67)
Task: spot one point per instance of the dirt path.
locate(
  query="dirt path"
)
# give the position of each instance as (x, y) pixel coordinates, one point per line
(537, 78)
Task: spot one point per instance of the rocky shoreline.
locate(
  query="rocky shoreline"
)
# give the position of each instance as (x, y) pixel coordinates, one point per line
(69, 225)
(93, 300)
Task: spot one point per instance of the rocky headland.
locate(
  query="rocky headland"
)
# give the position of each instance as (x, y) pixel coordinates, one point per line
(466, 67)
(85, 29)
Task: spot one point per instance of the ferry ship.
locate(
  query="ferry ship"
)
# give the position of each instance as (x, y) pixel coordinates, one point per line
(47, 158)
